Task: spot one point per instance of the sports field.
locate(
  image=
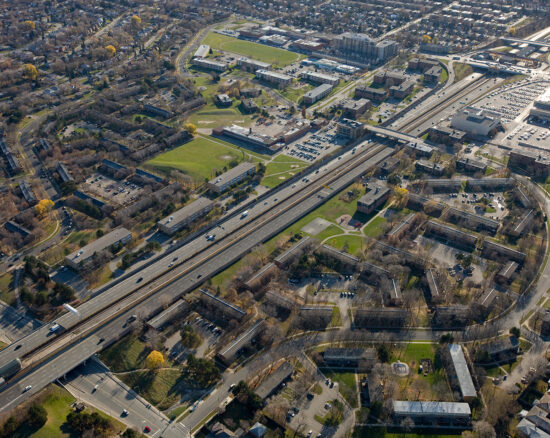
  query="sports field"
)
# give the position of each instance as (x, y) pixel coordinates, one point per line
(259, 52)
(281, 168)
(199, 158)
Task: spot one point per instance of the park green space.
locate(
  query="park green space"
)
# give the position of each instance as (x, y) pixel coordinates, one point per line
(352, 244)
(281, 168)
(7, 294)
(380, 432)
(375, 227)
(259, 52)
(199, 158)
(209, 115)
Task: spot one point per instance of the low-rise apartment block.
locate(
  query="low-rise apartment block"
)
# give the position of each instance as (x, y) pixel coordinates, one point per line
(184, 216)
(232, 177)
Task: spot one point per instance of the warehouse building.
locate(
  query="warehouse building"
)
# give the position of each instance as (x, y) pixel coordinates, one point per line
(85, 255)
(184, 216)
(232, 177)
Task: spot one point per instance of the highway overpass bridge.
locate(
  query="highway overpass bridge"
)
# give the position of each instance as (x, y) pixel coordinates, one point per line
(530, 43)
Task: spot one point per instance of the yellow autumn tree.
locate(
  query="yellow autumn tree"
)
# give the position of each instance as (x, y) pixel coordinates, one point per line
(111, 49)
(154, 360)
(30, 72)
(190, 128)
(43, 207)
(136, 20)
(29, 24)
(427, 39)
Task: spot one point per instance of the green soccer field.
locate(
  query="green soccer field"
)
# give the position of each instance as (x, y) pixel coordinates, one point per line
(199, 158)
(259, 52)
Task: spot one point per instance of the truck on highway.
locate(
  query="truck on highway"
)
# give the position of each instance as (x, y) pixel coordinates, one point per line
(9, 370)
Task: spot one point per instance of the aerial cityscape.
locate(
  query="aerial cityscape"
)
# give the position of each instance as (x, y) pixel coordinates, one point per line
(224, 219)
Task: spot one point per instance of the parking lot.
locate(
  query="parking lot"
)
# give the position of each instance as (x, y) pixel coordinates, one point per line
(118, 192)
(511, 101)
(472, 203)
(316, 145)
(209, 332)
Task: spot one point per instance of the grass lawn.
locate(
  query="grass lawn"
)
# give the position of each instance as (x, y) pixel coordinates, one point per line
(159, 387)
(53, 255)
(351, 243)
(77, 236)
(295, 93)
(331, 230)
(210, 116)
(259, 52)
(380, 432)
(199, 158)
(280, 169)
(346, 384)
(462, 70)
(104, 276)
(444, 75)
(125, 355)
(336, 320)
(375, 227)
(7, 294)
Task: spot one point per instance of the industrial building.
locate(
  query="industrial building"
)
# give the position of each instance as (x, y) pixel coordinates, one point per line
(184, 216)
(477, 123)
(232, 176)
(320, 78)
(209, 64)
(84, 256)
(462, 372)
(316, 94)
(376, 196)
(433, 413)
(279, 79)
(251, 65)
(350, 129)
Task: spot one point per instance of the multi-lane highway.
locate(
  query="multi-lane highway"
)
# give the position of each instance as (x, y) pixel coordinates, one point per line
(265, 219)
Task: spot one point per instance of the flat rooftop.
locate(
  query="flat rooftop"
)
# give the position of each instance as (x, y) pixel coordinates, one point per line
(186, 212)
(99, 245)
